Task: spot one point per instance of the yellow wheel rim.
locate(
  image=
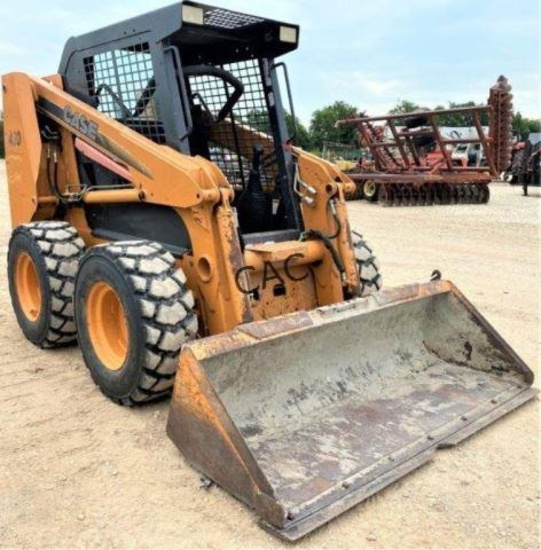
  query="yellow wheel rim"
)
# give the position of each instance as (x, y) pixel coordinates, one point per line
(107, 325)
(28, 286)
(369, 188)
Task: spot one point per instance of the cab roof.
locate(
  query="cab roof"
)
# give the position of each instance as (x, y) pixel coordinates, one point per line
(202, 33)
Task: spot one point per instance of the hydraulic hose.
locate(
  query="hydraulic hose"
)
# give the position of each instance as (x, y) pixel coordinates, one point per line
(314, 233)
(53, 181)
(336, 219)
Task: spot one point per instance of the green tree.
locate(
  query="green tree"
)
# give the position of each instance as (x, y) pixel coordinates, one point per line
(405, 106)
(533, 124)
(323, 125)
(462, 119)
(523, 126)
(259, 120)
(452, 119)
(302, 136)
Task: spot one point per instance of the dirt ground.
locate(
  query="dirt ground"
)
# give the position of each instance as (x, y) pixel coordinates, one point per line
(79, 471)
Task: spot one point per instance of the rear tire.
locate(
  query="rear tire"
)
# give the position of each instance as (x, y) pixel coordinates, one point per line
(484, 193)
(517, 167)
(368, 265)
(134, 312)
(43, 259)
(423, 141)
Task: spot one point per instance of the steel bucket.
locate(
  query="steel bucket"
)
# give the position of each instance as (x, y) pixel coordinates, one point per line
(306, 415)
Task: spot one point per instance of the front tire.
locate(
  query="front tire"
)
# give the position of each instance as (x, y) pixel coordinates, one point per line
(134, 312)
(43, 259)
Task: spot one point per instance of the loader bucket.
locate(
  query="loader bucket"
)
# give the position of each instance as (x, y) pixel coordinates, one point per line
(306, 415)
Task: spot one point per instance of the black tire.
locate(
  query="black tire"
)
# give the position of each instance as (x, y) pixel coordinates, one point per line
(54, 250)
(415, 122)
(484, 193)
(370, 191)
(423, 141)
(369, 275)
(159, 317)
(385, 196)
(517, 167)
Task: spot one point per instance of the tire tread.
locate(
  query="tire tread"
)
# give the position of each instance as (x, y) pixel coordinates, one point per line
(368, 264)
(166, 308)
(61, 249)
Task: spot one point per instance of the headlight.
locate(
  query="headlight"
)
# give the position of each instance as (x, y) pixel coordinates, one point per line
(192, 14)
(288, 34)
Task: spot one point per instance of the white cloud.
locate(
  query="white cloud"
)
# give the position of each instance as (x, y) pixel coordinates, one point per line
(384, 87)
(506, 24)
(11, 49)
(368, 91)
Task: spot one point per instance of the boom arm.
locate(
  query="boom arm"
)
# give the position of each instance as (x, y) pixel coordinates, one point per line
(158, 175)
(153, 168)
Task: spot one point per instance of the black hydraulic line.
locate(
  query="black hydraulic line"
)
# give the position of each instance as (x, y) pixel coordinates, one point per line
(338, 224)
(314, 233)
(53, 182)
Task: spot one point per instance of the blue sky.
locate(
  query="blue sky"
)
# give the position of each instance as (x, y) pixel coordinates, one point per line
(370, 53)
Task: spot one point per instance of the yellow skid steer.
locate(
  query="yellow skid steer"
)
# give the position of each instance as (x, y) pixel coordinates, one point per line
(164, 219)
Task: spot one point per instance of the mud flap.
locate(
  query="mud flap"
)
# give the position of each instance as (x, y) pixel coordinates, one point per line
(306, 415)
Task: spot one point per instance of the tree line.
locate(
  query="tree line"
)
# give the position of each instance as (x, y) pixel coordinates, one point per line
(322, 125)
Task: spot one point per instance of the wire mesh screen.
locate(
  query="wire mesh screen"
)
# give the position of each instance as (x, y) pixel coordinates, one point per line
(232, 140)
(123, 82)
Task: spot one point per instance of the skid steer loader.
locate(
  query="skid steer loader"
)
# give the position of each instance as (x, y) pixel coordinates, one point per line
(164, 218)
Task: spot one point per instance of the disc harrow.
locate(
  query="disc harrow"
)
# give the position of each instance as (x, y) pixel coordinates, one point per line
(501, 102)
(428, 194)
(413, 157)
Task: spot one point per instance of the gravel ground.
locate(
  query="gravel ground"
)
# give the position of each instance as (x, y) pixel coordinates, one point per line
(78, 471)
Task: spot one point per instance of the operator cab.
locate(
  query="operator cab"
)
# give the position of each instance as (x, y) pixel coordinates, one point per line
(203, 80)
